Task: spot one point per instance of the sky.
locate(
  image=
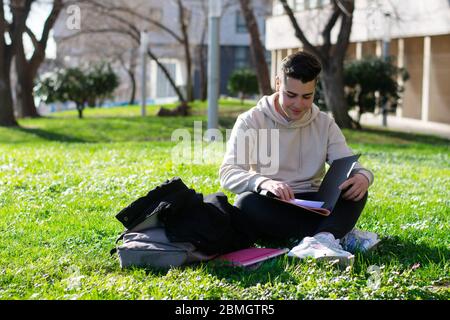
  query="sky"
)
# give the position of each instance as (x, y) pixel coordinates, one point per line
(38, 15)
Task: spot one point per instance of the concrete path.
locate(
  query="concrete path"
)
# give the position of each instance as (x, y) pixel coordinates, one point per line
(408, 125)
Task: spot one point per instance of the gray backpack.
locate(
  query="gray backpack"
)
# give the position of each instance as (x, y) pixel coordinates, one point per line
(146, 245)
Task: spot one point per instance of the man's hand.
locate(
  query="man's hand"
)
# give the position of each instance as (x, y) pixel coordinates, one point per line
(280, 189)
(359, 185)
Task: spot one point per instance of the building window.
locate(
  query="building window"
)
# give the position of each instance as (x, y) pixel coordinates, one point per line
(241, 57)
(313, 4)
(241, 26)
(163, 87)
(299, 5)
(278, 8)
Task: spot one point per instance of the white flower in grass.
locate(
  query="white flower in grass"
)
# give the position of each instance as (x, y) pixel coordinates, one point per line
(374, 280)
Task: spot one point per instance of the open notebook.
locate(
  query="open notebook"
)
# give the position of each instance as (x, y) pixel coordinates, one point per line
(249, 256)
(329, 191)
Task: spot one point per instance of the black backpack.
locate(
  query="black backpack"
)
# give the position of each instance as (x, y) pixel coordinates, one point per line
(195, 229)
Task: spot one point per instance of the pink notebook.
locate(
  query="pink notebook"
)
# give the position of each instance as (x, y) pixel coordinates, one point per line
(246, 257)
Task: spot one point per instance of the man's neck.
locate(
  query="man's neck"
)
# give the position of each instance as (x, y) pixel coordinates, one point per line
(280, 110)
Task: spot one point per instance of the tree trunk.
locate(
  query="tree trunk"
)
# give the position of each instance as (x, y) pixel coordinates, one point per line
(26, 73)
(187, 50)
(202, 57)
(257, 49)
(131, 72)
(333, 88)
(26, 107)
(27, 69)
(7, 118)
(80, 111)
(133, 87)
(189, 86)
(19, 11)
(203, 76)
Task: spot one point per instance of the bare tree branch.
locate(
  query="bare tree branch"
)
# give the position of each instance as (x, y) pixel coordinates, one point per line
(33, 38)
(331, 57)
(20, 10)
(187, 50)
(345, 31)
(122, 9)
(298, 31)
(342, 7)
(257, 48)
(85, 31)
(51, 19)
(327, 30)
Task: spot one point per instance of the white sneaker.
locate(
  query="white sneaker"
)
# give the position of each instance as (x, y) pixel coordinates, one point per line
(322, 246)
(358, 240)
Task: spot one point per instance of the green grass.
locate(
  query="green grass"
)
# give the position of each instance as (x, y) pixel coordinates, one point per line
(62, 180)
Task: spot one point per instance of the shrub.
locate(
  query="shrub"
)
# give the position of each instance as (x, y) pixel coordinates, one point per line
(244, 83)
(81, 87)
(369, 82)
(369, 78)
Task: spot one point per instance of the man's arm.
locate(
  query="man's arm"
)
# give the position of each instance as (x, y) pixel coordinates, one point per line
(355, 187)
(234, 173)
(280, 189)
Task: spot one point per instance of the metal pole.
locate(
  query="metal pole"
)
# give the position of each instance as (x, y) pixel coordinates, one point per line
(144, 44)
(386, 53)
(215, 7)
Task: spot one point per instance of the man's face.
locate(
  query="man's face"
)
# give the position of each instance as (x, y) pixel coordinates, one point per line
(295, 97)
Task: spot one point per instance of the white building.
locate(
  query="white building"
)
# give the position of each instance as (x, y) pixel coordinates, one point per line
(234, 41)
(419, 34)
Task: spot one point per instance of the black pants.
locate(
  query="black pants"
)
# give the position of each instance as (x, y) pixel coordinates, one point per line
(273, 220)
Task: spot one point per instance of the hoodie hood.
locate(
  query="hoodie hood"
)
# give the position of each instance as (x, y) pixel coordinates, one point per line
(267, 106)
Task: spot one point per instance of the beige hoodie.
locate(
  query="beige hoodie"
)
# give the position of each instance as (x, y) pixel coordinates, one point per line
(304, 146)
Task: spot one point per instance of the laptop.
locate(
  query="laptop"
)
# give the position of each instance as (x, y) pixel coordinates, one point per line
(329, 191)
(338, 172)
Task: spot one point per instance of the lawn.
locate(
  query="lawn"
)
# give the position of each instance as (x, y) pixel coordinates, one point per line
(63, 180)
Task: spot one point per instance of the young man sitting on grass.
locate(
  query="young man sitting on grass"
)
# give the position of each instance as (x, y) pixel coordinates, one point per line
(308, 138)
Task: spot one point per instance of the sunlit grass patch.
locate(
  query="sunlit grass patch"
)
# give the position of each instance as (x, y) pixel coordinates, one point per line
(62, 180)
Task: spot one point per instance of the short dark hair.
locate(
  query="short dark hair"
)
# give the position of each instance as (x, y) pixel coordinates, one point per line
(302, 66)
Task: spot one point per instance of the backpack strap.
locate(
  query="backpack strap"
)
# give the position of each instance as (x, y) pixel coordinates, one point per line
(120, 237)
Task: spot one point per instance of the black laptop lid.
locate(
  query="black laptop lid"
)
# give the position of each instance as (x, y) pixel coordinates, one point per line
(338, 172)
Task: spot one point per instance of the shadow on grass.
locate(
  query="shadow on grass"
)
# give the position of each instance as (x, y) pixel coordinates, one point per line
(405, 253)
(247, 276)
(112, 129)
(390, 251)
(50, 136)
(408, 137)
(396, 254)
(367, 135)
